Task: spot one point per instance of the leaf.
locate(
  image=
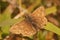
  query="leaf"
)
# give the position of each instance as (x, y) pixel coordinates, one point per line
(11, 21)
(50, 10)
(40, 35)
(6, 14)
(5, 29)
(52, 28)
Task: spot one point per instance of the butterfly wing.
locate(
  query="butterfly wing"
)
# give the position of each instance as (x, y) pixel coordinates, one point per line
(38, 16)
(24, 28)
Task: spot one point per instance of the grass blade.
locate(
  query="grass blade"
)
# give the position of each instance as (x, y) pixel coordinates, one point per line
(52, 28)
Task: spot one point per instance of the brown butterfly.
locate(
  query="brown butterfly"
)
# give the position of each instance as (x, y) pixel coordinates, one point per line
(26, 27)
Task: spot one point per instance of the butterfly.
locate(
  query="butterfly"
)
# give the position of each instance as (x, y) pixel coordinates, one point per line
(26, 27)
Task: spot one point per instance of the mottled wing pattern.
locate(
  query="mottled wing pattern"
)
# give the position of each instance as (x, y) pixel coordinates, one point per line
(24, 28)
(38, 16)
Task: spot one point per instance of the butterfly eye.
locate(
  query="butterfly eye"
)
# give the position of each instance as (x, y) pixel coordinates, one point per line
(24, 28)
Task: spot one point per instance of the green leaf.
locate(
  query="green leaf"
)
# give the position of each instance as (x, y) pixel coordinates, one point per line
(6, 14)
(50, 10)
(51, 27)
(5, 29)
(40, 35)
(11, 21)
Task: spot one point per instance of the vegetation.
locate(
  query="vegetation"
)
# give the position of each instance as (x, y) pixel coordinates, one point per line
(39, 18)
